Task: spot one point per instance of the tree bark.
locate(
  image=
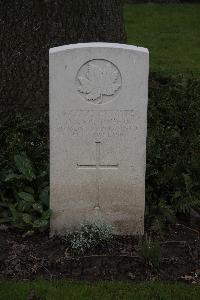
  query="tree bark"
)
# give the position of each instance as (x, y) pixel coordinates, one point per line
(28, 28)
(98, 20)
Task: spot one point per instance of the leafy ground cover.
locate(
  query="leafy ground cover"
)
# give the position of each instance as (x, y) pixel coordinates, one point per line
(64, 290)
(170, 32)
(173, 161)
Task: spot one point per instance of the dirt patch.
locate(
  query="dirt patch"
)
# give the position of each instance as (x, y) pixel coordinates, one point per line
(41, 256)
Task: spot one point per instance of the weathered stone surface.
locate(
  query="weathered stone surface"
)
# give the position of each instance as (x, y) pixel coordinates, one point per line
(98, 116)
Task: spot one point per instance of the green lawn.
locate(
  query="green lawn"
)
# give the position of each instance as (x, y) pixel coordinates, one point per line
(64, 290)
(171, 32)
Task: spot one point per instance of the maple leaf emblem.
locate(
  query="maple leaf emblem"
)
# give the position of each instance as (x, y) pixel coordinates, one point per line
(99, 81)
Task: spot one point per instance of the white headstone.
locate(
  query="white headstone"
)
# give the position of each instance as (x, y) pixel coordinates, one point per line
(98, 124)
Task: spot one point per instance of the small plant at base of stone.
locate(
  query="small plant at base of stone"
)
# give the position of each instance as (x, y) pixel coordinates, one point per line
(149, 251)
(90, 237)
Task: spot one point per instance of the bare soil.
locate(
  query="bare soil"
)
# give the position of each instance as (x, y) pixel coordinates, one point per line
(24, 258)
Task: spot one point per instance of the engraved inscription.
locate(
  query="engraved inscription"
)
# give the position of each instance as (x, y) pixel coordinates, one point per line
(98, 166)
(98, 124)
(98, 81)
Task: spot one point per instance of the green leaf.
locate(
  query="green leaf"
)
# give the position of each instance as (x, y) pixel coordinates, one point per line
(24, 205)
(15, 214)
(38, 207)
(40, 223)
(26, 196)
(29, 190)
(188, 181)
(46, 214)
(44, 196)
(24, 166)
(12, 176)
(27, 218)
(177, 194)
(42, 183)
(42, 174)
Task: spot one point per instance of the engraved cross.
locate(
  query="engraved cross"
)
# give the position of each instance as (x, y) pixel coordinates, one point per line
(98, 166)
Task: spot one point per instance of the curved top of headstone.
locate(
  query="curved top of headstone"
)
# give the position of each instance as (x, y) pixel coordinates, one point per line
(98, 45)
(100, 73)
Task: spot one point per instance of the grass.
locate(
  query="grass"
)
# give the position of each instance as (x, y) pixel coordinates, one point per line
(64, 290)
(170, 32)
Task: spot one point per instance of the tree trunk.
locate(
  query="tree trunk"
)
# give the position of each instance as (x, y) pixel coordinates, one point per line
(97, 20)
(28, 28)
